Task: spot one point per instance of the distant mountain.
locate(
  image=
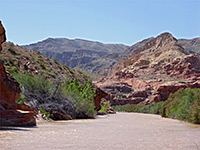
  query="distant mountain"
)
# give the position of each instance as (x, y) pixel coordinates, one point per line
(102, 64)
(96, 57)
(150, 73)
(74, 52)
(191, 45)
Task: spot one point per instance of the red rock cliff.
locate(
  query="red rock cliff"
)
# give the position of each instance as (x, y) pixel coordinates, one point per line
(152, 72)
(11, 113)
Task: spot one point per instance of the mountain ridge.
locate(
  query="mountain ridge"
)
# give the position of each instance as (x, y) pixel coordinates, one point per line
(90, 50)
(98, 60)
(150, 73)
(110, 60)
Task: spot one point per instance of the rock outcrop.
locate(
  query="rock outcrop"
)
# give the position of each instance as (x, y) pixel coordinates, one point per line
(2, 35)
(11, 113)
(191, 45)
(97, 99)
(150, 73)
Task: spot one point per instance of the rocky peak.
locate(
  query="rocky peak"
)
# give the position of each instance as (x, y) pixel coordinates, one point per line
(155, 53)
(150, 73)
(162, 40)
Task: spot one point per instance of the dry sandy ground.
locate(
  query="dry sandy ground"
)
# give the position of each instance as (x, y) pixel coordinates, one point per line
(122, 131)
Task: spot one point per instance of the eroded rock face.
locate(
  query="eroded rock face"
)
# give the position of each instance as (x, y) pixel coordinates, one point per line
(10, 112)
(2, 35)
(99, 95)
(151, 73)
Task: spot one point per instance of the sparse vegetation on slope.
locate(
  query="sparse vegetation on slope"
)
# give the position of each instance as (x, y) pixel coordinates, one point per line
(61, 92)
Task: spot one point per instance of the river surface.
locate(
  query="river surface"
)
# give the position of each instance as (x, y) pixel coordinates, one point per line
(121, 131)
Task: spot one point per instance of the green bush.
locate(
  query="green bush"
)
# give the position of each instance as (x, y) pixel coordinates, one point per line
(83, 96)
(13, 70)
(45, 114)
(12, 51)
(20, 100)
(153, 108)
(35, 84)
(105, 106)
(183, 105)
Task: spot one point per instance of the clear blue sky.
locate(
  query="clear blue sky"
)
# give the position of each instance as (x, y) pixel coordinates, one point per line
(108, 21)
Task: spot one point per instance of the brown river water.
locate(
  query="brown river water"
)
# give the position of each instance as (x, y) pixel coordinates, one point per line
(121, 131)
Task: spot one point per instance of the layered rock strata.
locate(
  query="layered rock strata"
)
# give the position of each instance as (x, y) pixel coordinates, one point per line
(150, 73)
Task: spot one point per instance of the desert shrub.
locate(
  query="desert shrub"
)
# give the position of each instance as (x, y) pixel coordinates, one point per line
(20, 100)
(55, 60)
(43, 66)
(153, 108)
(65, 97)
(45, 114)
(83, 96)
(183, 105)
(12, 51)
(13, 70)
(129, 108)
(105, 106)
(35, 84)
(11, 63)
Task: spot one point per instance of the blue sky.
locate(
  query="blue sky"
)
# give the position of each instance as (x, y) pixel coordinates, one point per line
(108, 21)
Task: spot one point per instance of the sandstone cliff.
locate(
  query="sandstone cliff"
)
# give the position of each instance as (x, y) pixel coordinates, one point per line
(10, 112)
(152, 72)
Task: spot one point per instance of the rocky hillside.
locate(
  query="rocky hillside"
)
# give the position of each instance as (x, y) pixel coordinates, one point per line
(150, 73)
(103, 64)
(20, 60)
(191, 45)
(74, 52)
(48, 86)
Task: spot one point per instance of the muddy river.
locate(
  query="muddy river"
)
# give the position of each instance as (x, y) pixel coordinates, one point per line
(121, 131)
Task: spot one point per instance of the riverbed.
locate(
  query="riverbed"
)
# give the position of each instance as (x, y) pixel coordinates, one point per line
(121, 131)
